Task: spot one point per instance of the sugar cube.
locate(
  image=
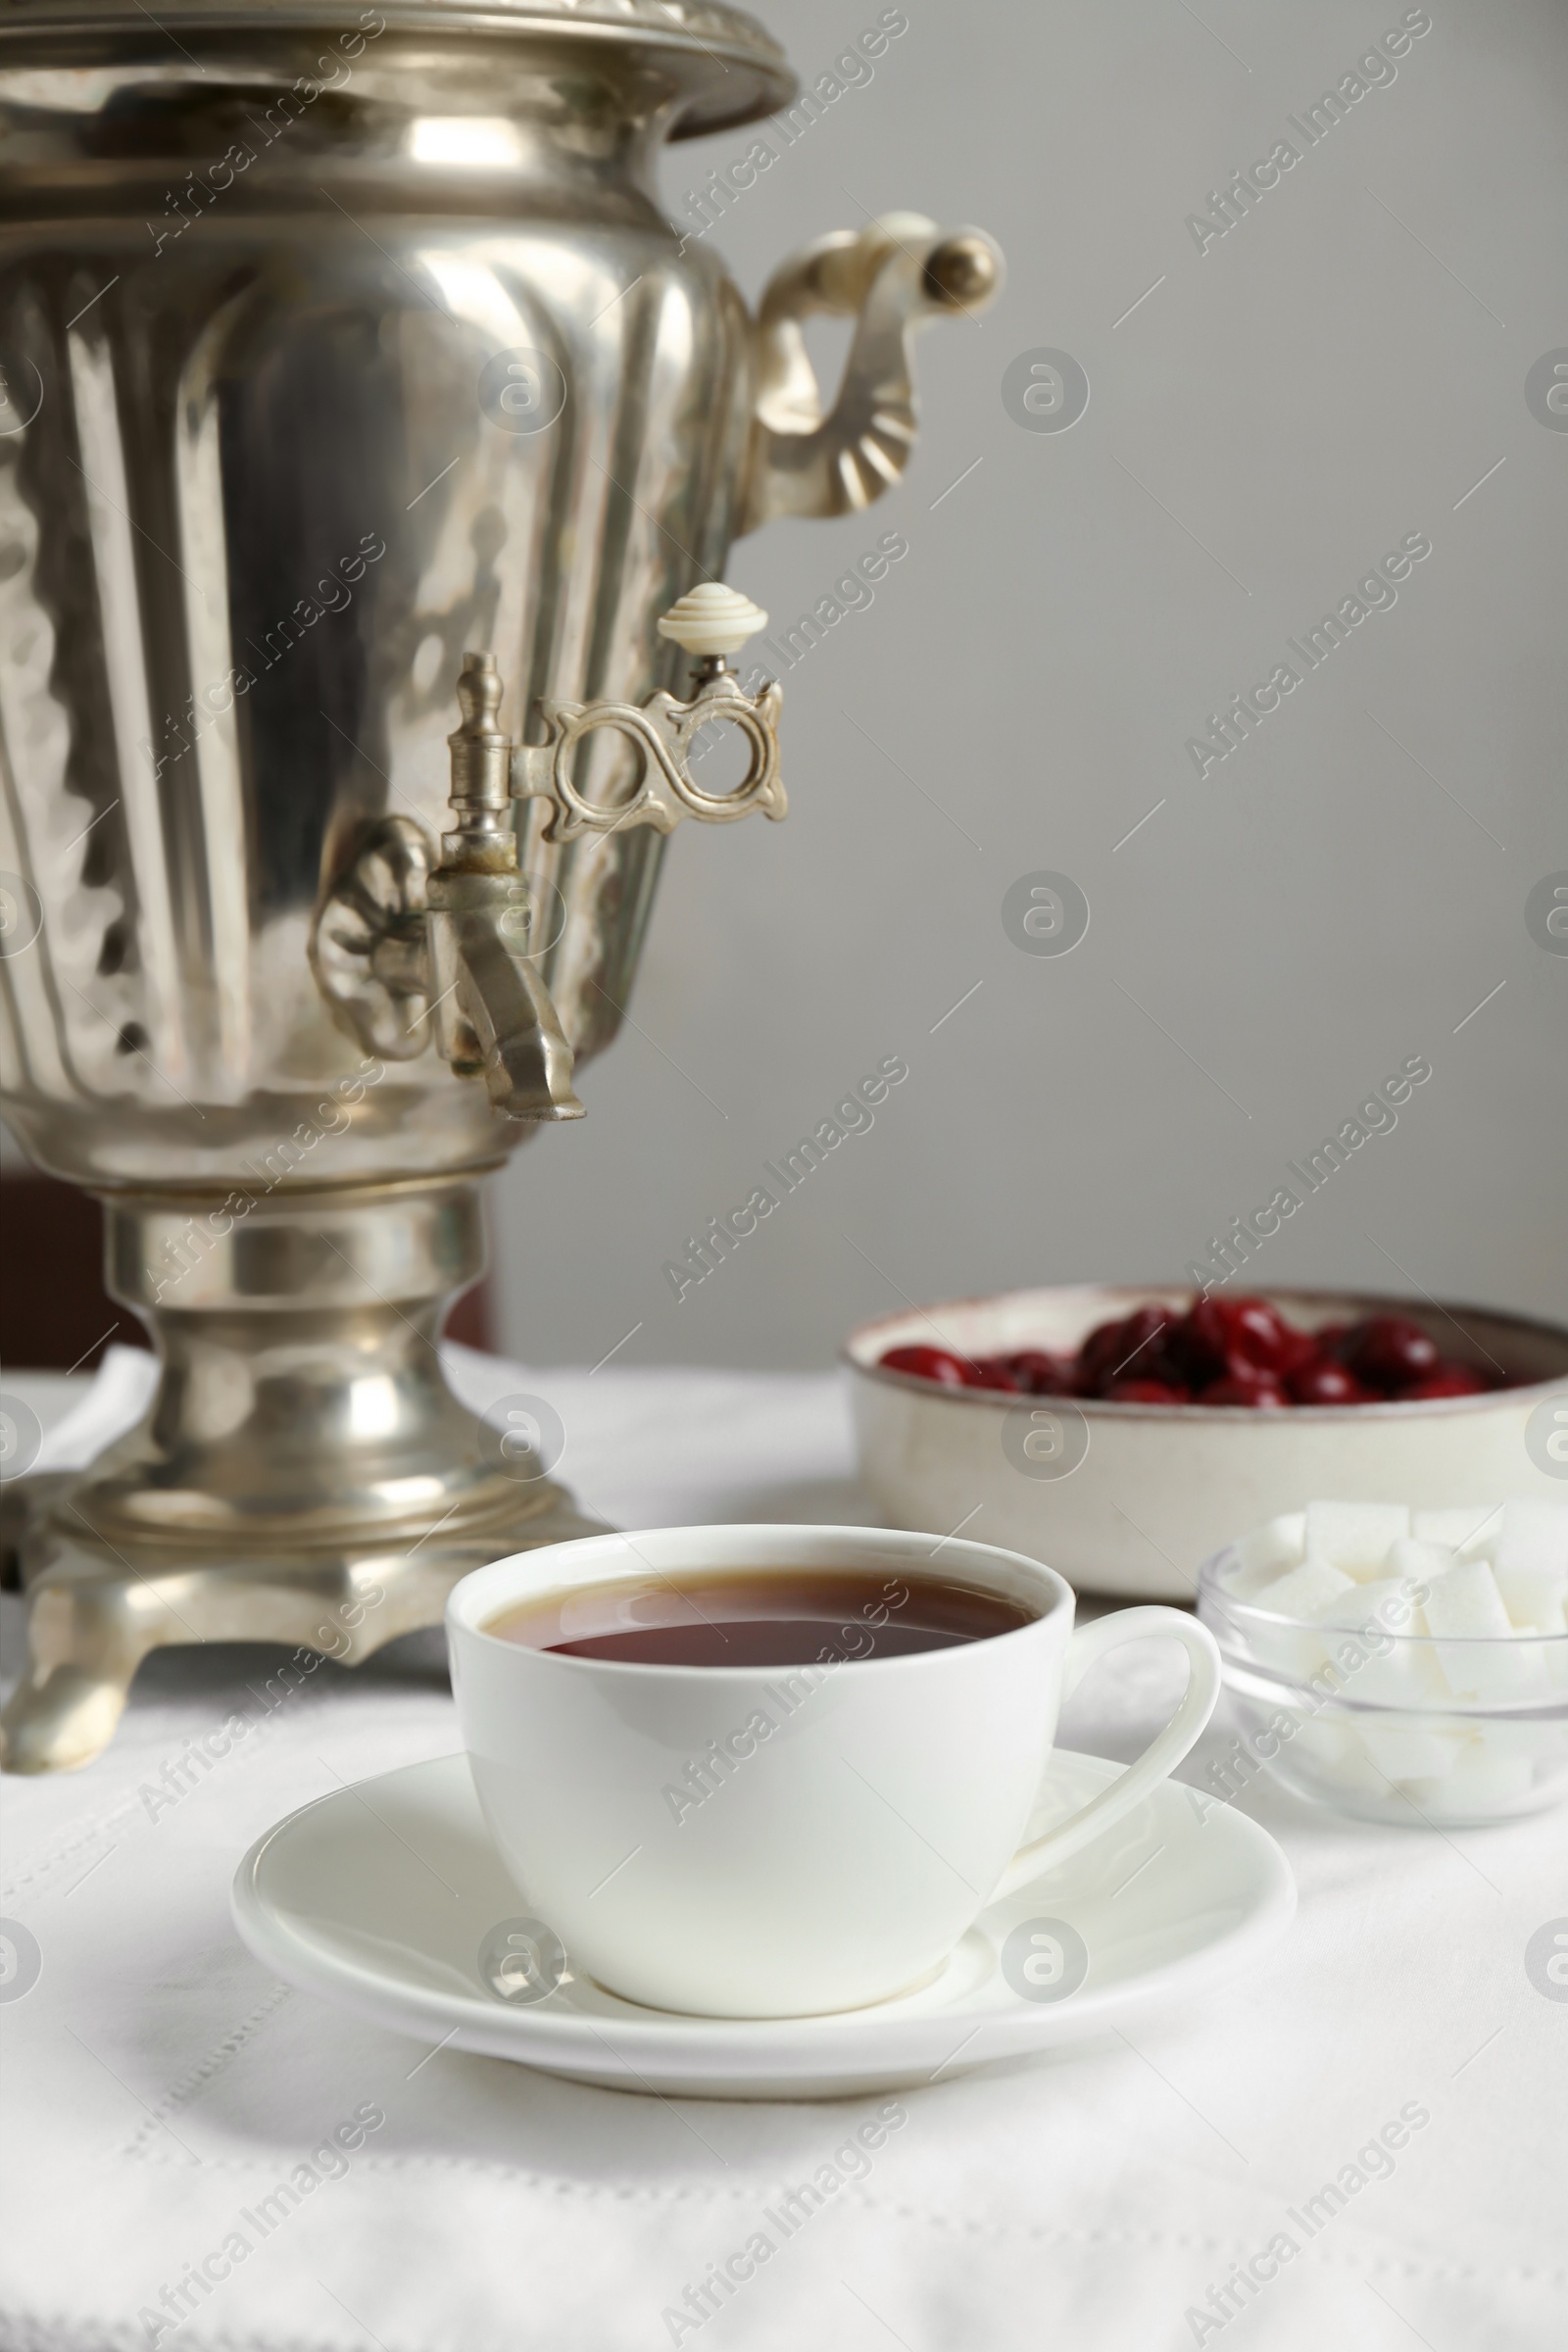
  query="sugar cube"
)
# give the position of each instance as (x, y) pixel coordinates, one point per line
(1368, 1604)
(1465, 1604)
(1408, 1751)
(1277, 1543)
(1534, 1599)
(1470, 1626)
(1416, 1560)
(1305, 1591)
(1299, 1593)
(1534, 1535)
(1354, 1536)
(1244, 1585)
(1374, 1658)
(1467, 1526)
(1543, 1744)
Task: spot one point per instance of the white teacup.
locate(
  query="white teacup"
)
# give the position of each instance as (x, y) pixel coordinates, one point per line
(839, 1856)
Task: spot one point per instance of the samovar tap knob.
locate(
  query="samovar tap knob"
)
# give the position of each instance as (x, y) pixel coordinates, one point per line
(712, 620)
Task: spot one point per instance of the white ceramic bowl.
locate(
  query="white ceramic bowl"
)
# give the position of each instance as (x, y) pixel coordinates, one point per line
(1131, 1499)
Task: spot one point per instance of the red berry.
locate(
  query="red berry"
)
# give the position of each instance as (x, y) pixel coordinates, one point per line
(927, 1363)
(1136, 1348)
(1041, 1374)
(1389, 1351)
(1297, 1350)
(1319, 1380)
(1259, 1337)
(1221, 1337)
(1263, 1394)
(1449, 1380)
(1125, 1347)
(1199, 1342)
(1235, 1351)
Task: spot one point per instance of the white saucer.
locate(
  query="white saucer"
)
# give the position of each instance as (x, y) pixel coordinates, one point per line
(379, 1897)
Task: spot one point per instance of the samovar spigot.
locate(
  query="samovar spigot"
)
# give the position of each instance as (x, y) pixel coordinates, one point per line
(491, 1013)
(451, 944)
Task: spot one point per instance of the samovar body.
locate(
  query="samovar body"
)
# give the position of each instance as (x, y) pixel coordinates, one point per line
(331, 347)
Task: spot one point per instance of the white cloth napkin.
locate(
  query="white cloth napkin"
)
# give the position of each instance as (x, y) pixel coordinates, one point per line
(160, 2083)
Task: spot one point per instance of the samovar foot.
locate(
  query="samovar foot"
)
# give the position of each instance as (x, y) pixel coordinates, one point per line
(303, 1476)
(65, 1720)
(95, 1613)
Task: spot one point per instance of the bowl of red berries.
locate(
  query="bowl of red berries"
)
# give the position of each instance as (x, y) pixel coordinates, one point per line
(1123, 1434)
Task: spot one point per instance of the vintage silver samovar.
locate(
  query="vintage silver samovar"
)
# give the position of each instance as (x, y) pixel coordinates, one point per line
(352, 383)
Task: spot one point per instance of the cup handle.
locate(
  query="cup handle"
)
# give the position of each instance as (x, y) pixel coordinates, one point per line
(1158, 1761)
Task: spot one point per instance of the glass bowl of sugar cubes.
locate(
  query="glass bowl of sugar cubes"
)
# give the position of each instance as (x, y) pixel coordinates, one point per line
(1402, 1665)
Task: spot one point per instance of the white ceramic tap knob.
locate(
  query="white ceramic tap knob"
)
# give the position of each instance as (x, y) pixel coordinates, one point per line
(712, 618)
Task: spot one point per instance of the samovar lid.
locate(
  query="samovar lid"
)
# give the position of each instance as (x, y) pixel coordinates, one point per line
(753, 76)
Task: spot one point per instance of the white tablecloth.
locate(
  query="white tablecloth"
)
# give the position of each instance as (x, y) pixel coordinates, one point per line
(158, 2080)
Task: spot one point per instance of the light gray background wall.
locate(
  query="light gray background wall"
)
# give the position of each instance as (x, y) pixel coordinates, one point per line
(1336, 372)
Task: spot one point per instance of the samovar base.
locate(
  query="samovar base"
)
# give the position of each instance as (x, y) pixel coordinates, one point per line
(304, 1474)
(95, 1614)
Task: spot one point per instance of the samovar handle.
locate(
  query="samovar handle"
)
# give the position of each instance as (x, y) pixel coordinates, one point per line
(894, 276)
